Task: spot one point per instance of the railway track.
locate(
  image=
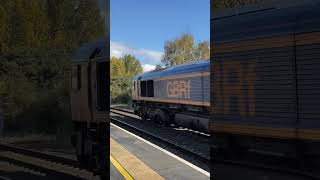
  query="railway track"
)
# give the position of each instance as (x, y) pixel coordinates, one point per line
(50, 166)
(133, 115)
(123, 110)
(248, 163)
(185, 151)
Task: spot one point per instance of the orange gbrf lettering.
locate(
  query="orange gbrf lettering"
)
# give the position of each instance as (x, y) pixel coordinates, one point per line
(179, 89)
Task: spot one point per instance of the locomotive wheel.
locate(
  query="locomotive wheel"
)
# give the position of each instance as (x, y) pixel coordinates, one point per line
(161, 118)
(158, 119)
(144, 117)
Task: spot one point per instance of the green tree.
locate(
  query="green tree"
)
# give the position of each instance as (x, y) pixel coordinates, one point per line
(117, 68)
(183, 49)
(36, 40)
(202, 51)
(231, 3)
(122, 71)
(132, 65)
(178, 51)
(158, 67)
(4, 19)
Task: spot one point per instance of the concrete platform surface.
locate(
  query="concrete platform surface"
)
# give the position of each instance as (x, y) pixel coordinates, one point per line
(132, 157)
(115, 173)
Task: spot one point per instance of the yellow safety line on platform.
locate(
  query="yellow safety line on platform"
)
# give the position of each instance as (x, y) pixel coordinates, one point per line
(134, 166)
(124, 173)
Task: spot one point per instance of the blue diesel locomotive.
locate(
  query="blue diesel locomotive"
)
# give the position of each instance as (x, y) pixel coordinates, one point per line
(176, 95)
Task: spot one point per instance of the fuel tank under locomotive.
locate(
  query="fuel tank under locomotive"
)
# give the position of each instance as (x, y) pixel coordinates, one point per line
(193, 121)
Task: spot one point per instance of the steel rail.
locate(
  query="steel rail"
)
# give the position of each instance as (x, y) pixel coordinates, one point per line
(37, 154)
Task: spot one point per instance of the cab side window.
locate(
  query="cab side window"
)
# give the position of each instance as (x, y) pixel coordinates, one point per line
(147, 89)
(143, 88)
(150, 88)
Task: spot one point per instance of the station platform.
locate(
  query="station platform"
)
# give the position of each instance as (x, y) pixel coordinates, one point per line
(132, 157)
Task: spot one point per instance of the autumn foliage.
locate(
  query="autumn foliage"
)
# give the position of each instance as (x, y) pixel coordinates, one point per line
(37, 38)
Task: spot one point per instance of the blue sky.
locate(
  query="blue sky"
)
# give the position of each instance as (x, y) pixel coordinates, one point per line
(141, 27)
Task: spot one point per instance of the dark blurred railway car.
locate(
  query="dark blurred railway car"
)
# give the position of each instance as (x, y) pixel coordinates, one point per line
(266, 79)
(89, 104)
(176, 95)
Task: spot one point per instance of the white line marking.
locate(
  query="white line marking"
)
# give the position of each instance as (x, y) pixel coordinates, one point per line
(165, 151)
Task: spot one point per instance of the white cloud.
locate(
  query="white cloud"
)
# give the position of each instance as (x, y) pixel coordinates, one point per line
(148, 67)
(145, 55)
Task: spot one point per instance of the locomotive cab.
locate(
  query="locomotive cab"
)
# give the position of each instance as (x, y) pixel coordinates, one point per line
(89, 104)
(135, 94)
